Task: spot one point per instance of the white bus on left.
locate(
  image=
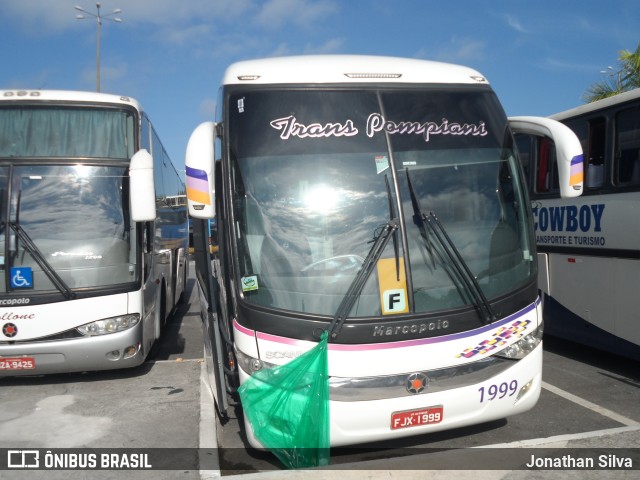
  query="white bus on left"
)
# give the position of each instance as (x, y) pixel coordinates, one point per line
(93, 247)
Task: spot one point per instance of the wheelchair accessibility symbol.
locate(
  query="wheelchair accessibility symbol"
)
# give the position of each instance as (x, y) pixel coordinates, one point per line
(21, 277)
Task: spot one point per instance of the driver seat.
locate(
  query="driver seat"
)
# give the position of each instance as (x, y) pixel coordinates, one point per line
(284, 257)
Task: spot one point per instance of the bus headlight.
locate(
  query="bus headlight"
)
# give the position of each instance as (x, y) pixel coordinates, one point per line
(109, 325)
(524, 346)
(250, 364)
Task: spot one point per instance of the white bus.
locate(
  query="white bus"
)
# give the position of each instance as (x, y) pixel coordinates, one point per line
(92, 258)
(394, 180)
(589, 248)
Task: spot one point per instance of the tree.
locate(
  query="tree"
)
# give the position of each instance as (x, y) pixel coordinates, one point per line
(626, 78)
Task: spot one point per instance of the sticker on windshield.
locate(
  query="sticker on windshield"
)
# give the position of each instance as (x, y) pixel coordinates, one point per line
(393, 286)
(382, 163)
(21, 277)
(249, 283)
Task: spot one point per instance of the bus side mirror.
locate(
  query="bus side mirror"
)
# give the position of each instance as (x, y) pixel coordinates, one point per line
(568, 150)
(199, 166)
(141, 186)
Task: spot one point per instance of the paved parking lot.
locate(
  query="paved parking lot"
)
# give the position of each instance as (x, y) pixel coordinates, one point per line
(589, 400)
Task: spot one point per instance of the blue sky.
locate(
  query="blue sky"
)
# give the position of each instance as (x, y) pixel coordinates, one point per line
(540, 56)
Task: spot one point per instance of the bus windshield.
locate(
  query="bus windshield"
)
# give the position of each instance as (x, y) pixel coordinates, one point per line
(66, 221)
(309, 172)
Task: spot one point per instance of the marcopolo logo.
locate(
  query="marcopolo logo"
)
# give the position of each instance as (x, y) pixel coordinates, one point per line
(15, 301)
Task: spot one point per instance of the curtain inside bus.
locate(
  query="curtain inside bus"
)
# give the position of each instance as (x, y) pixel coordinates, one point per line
(65, 132)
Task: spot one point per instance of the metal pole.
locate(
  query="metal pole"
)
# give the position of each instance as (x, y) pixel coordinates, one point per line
(98, 32)
(98, 50)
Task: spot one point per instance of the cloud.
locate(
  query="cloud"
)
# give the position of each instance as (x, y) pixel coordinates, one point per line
(457, 50)
(47, 16)
(281, 50)
(201, 28)
(186, 35)
(558, 64)
(301, 13)
(514, 23)
(108, 73)
(333, 45)
(207, 108)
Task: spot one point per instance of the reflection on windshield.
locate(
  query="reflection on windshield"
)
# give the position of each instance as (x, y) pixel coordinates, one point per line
(308, 236)
(76, 217)
(308, 183)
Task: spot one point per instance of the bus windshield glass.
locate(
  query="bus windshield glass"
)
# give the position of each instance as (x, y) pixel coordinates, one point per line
(309, 172)
(69, 222)
(64, 132)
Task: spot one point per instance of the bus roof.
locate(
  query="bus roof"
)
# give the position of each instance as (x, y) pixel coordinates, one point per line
(598, 105)
(320, 69)
(65, 96)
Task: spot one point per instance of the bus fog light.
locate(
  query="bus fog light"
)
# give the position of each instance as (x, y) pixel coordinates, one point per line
(131, 351)
(109, 325)
(250, 364)
(113, 355)
(523, 391)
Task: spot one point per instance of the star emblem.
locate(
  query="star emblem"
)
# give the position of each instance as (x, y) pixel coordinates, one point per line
(9, 330)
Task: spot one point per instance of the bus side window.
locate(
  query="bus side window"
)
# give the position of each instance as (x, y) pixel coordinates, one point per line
(147, 247)
(525, 153)
(627, 137)
(538, 159)
(145, 134)
(596, 152)
(546, 180)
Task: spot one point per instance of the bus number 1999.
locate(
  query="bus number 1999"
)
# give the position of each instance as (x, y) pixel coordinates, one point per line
(498, 391)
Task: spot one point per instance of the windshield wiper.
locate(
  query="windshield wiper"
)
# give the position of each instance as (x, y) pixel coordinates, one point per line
(381, 237)
(350, 298)
(40, 260)
(428, 222)
(35, 252)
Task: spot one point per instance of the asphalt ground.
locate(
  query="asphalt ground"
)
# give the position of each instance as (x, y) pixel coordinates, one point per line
(589, 406)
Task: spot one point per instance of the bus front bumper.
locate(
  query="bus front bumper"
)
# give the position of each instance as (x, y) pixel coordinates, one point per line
(514, 390)
(103, 352)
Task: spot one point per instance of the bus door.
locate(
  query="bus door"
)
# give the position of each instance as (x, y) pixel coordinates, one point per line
(199, 164)
(208, 290)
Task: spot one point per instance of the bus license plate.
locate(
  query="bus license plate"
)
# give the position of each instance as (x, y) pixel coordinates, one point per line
(416, 418)
(17, 363)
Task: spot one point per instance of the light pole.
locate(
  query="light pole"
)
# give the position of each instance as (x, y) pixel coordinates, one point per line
(99, 19)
